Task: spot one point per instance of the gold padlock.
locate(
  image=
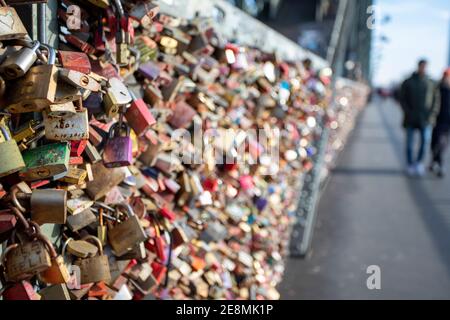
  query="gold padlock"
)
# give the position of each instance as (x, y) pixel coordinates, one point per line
(37, 89)
(94, 269)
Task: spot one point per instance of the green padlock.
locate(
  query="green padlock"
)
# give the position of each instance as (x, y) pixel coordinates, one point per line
(10, 157)
(46, 162)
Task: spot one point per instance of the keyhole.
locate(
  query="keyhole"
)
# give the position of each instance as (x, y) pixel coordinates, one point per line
(84, 80)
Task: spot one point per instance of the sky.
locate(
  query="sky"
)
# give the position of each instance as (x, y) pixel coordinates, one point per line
(418, 29)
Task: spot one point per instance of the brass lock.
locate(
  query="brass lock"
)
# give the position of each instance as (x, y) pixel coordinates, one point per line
(117, 95)
(11, 159)
(94, 269)
(11, 27)
(47, 205)
(37, 89)
(28, 259)
(69, 127)
(57, 273)
(125, 235)
(79, 80)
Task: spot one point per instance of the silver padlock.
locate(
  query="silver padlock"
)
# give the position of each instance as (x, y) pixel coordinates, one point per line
(79, 80)
(19, 62)
(117, 95)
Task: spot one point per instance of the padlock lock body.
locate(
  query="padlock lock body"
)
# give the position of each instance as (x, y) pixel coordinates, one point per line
(46, 161)
(94, 269)
(123, 54)
(18, 63)
(66, 93)
(78, 61)
(27, 260)
(11, 159)
(21, 291)
(104, 180)
(118, 152)
(11, 27)
(61, 110)
(117, 95)
(125, 235)
(71, 127)
(79, 221)
(35, 91)
(139, 117)
(49, 206)
(57, 273)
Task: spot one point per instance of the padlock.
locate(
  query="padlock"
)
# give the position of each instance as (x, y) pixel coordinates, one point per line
(66, 92)
(57, 273)
(7, 224)
(57, 292)
(26, 131)
(80, 44)
(27, 259)
(139, 116)
(125, 235)
(46, 161)
(75, 176)
(100, 3)
(49, 206)
(19, 62)
(80, 220)
(11, 27)
(61, 110)
(150, 70)
(70, 127)
(78, 61)
(144, 12)
(11, 159)
(94, 269)
(37, 89)
(79, 80)
(81, 249)
(22, 291)
(122, 44)
(118, 149)
(117, 95)
(46, 205)
(104, 180)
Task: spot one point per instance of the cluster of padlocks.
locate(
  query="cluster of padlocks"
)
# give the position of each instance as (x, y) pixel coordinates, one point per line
(120, 137)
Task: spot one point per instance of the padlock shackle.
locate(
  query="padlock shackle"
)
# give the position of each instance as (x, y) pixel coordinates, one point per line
(40, 236)
(6, 251)
(20, 217)
(118, 127)
(64, 247)
(126, 206)
(96, 241)
(13, 196)
(51, 59)
(5, 133)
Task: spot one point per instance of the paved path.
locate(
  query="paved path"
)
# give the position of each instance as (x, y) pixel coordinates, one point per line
(371, 214)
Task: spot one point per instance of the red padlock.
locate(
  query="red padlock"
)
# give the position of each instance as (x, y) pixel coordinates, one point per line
(166, 213)
(22, 290)
(77, 148)
(78, 61)
(139, 116)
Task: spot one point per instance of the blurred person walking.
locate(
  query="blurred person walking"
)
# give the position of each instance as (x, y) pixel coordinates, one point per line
(441, 131)
(419, 99)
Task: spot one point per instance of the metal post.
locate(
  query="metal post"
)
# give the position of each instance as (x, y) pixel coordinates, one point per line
(42, 22)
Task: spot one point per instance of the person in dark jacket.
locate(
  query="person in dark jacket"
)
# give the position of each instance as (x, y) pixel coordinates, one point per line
(441, 131)
(419, 98)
